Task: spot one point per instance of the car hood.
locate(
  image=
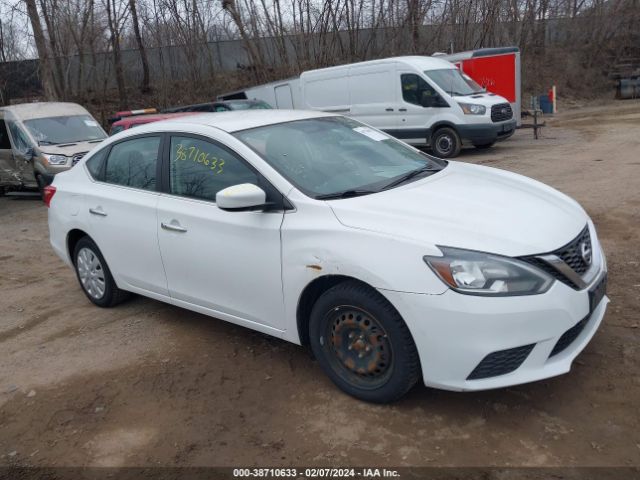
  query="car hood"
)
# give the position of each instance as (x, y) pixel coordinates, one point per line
(69, 149)
(472, 207)
(486, 99)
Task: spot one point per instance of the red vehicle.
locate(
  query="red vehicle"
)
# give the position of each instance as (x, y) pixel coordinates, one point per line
(496, 69)
(133, 118)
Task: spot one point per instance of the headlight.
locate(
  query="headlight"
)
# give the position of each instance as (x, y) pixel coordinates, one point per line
(472, 108)
(56, 159)
(477, 273)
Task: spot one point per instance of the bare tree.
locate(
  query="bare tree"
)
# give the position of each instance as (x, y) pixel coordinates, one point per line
(46, 72)
(145, 87)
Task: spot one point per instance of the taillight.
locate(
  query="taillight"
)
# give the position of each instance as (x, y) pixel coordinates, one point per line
(47, 194)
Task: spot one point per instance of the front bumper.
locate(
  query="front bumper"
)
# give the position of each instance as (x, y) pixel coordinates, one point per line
(484, 133)
(454, 333)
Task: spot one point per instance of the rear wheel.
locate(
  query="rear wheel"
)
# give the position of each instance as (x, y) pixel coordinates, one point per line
(445, 143)
(362, 343)
(94, 275)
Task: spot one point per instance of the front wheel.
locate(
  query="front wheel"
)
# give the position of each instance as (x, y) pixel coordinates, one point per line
(41, 184)
(445, 143)
(362, 343)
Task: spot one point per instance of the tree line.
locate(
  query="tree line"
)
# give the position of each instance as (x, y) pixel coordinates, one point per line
(284, 37)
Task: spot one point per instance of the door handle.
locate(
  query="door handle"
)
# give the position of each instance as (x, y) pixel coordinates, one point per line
(402, 109)
(388, 109)
(98, 211)
(174, 227)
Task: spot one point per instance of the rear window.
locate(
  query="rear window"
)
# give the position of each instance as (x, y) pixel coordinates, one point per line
(94, 164)
(133, 163)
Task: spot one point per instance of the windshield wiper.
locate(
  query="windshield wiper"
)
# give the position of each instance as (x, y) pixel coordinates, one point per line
(345, 194)
(46, 142)
(95, 141)
(409, 175)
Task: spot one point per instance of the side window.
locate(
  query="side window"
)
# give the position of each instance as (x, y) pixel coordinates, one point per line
(201, 169)
(5, 144)
(94, 164)
(416, 90)
(20, 139)
(133, 163)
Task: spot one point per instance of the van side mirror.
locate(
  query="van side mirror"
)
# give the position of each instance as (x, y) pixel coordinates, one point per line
(241, 197)
(29, 154)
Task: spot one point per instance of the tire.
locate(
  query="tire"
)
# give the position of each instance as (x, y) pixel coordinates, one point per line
(41, 184)
(94, 275)
(445, 143)
(362, 343)
(483, 146)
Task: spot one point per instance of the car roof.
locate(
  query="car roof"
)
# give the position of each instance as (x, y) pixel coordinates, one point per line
(26, 111)
(417, 61)
(233, 121)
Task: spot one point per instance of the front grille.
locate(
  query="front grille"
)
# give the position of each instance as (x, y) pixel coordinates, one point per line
(77, 157)
(501, 112)
(501, 362)
(571, 254)
(569, 336)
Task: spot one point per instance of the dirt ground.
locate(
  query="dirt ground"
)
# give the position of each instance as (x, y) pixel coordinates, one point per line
(149, 384)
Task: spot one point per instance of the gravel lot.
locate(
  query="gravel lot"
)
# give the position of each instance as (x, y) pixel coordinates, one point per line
(150, 384)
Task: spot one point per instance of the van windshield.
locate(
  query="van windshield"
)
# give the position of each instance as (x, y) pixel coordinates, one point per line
(71, 129)
(453, 82)
(337, 157)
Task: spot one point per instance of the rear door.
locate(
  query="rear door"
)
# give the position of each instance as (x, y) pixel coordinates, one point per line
(122, 213)
(225, 262)
(284, 99)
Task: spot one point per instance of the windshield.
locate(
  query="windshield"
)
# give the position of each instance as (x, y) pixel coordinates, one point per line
(326, 156)
(453, 82)
(253, 105)
(72, 129)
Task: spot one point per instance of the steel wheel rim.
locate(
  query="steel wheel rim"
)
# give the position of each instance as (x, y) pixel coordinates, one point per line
(358, 347)
(445, 144)
(91, 273)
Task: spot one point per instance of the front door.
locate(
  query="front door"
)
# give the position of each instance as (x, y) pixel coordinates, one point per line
(7, 164)
(225, 262)
(414, 118)
(22, 157)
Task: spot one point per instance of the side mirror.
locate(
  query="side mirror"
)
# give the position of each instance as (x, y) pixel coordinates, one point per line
(242, 197)
(29, 154)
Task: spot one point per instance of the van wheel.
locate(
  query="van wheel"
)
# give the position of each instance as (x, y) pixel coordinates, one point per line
(362, 343)
(445, 143)
(94, 275)
(41, 183)
(483, 146)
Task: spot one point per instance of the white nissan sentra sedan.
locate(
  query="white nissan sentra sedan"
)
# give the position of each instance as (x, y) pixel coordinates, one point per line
(391, 264)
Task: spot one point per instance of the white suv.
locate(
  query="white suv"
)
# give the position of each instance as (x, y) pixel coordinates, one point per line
(393, 265)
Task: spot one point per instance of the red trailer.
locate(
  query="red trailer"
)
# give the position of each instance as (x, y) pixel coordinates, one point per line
(496, 69)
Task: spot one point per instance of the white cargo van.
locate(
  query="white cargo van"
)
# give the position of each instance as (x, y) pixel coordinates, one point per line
(421, 100)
